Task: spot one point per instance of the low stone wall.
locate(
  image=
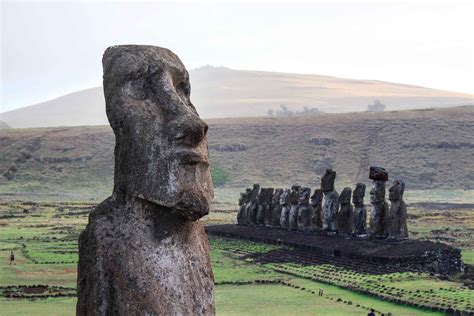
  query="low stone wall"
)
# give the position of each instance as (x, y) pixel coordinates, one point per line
(407, 254)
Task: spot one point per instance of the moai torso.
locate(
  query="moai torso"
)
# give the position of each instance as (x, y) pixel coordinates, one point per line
(377, 199)
(396, 218)
(304, 210)
(360, 212)
(261, 206)
(144, 252)
(344, 216)
(253, 205)
(330, 203)
(295, 190)
(315, 202)
(276, 208)
(285, 209)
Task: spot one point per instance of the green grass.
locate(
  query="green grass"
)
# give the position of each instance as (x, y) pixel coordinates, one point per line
(48, 233)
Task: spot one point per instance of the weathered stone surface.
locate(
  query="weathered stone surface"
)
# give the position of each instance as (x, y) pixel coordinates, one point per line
(304, 210)
(261, 206)
(360, 212)
(242, 216)
(268, 206)
(379, 209)
(253, 205)
(327, 181)
(395, 221)
(344, 217)
(316, 205)
(143, 252)
(378, 173)
(285, 209)
(330, 206)
(294, 194)
(276, 208)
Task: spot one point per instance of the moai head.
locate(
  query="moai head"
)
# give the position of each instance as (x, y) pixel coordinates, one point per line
(262, 196)
(303, 196)
(285, 197)
(255, 192)
(345, 196)
(317, 197)
(276, 196)
(295, 190)
(161, 151)
(377, 193)
(358, 194)
(396, 190)
(327, 181)
(378, 173)
(269, 196)
(248, 192)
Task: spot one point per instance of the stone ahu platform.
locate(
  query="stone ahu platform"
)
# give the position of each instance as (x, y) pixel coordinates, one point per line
(407, 254)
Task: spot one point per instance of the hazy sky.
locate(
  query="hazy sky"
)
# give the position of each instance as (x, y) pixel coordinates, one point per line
(53, 48)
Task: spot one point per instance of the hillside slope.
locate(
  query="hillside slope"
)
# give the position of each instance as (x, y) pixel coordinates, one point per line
(428, 148)
(223, 92)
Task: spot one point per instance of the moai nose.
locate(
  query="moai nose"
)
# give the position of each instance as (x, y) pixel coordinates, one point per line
(191, 131)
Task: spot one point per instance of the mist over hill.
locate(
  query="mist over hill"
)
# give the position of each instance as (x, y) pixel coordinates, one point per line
(429, 149)
(219, 92)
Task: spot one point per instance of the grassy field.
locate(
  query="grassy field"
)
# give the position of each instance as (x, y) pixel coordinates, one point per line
(44, 238)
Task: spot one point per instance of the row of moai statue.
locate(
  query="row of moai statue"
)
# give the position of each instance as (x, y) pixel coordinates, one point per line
(326, 210)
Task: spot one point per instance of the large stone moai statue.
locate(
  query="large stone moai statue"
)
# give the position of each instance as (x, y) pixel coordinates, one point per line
(377, 199)
(360, 213)
(285, 209)
(253, 205)
(242, 218)
(396, 218)
(344, 217)
(315, 202)
(276, 208)
(330, 203)
(294, 194)
(304, 210)
(144, 252)
(261, 206)
(268, 205)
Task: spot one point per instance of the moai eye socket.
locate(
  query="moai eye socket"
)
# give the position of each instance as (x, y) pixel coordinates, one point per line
(136, 88)
(184, 88)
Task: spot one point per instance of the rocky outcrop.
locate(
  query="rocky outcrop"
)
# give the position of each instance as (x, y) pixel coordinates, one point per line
(144, 252)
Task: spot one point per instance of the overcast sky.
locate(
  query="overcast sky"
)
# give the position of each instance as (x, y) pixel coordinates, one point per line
(50, 49)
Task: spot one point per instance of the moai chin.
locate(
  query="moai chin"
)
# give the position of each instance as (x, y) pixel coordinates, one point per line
(304, 210)
(377, 199)
(285, 209)
(276, 208)
(315, 202)
(396, 218)
(253, 205)
(293, 218)
(344, 217)
(330, 203)
(143, 251)
(360, 212)
(244, 200)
